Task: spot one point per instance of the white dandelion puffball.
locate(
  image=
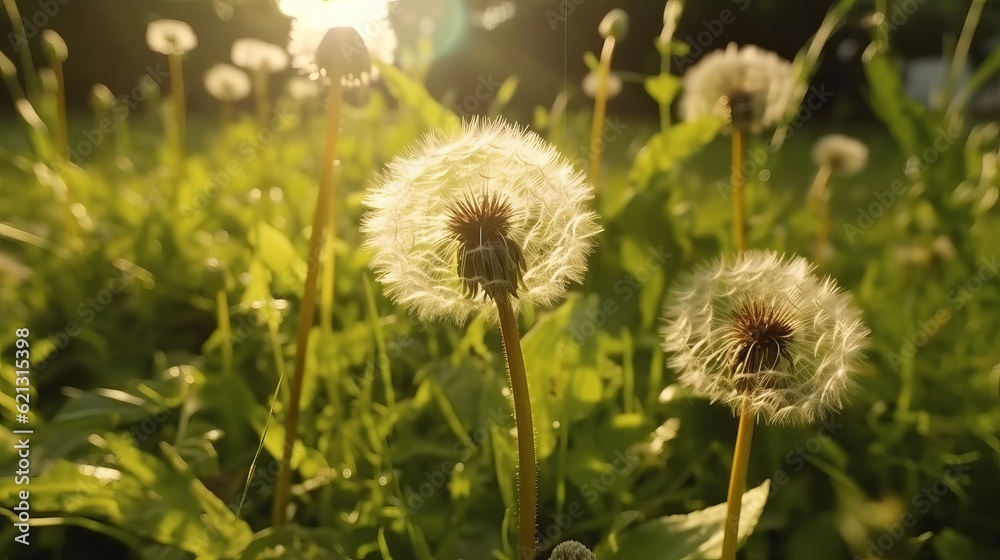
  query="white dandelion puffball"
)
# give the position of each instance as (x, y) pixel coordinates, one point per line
(254, 54)
(762, 333)
(226, 82)
(591, 80)
(311, 19)
(840, 153)
(486, 215)
(169, 36)
(749, 87)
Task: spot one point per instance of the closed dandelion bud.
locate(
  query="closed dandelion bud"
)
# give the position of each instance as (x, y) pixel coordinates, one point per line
(254, 54)
(101, 99)
(615, 25)
(762, 333)
(313, 19)
(54, 47)
(48, 79)
(343, 56)
(227, 83)
(840, 153)
(487, 215)
(170, 36)
(7, 68)
(572, 550)
(748, 87)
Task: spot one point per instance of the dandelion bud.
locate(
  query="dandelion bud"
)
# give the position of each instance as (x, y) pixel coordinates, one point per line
(48, 79)
(343, 56)
(254, 54)
(840, 153)
(489, 214)
(572, 550)
(748, 87)
(227, 83)
(7, 68)
(54, 47)
(763, 334)
(169, 36)
(615, 25)
(101, 99)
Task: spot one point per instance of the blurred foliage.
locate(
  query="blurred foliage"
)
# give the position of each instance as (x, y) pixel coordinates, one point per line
(143, 442)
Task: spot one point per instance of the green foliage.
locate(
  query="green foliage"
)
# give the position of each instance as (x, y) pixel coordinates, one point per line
(405, 447)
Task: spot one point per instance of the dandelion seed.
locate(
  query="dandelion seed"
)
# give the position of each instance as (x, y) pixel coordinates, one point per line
(748, 87)
(169, 36)
(489, 214)
(765, 335)
(842, 154)
(227, 83)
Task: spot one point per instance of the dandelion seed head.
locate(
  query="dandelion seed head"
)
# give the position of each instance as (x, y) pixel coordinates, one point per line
(170, 36)
(591, 80)
(227, 83)
(763, 332)
(748, 86)
(303, 88)
(842, 154)
(486, 214)
(254, 54)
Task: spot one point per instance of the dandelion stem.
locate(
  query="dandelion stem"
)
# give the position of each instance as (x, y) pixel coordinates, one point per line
(818, 201)
(600, 107)
(738, 183)
(20, 44)
(262, 98)
(320, 218)
(62, 138)
(737, 484)
(222, 317)
(525, 432)
(177, 91)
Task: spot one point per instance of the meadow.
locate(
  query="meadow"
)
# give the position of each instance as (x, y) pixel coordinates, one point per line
(154, 272)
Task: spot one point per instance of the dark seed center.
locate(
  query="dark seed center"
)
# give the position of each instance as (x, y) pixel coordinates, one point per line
(741, 110)
(763, 335)
(489, 260)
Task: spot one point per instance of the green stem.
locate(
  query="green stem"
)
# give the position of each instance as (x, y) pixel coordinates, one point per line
(62, 137)
(527, 499)
(738, 183)
(320, 218)
(961, 52)
(600, 108)
(222, 317)
(737, 484)
(23, 50)
(177, 92)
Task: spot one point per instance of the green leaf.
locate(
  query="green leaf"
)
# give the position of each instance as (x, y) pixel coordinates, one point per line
(414, 95)
(667, 149)
(663, 88)
(279, 255)
(688, 536)
(504, 94)
(907, 119)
